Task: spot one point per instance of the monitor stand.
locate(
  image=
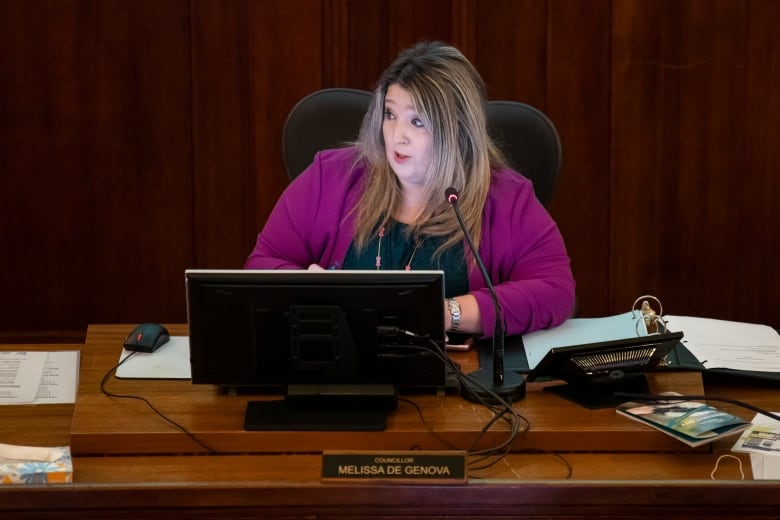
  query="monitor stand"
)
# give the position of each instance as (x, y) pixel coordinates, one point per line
(324, 408)
(602, 394)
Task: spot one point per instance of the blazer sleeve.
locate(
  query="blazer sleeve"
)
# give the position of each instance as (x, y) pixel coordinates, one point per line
(308, 224)
(526, 258)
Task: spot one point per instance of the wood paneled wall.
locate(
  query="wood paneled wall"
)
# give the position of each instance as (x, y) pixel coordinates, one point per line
(139, 138)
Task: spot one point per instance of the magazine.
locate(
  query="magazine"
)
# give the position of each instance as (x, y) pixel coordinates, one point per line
(691, 422)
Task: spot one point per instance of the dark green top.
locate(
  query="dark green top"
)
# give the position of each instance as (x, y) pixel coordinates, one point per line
(398, 249)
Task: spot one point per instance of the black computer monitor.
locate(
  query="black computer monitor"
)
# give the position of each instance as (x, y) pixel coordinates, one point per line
(335, 340)
(596, 371)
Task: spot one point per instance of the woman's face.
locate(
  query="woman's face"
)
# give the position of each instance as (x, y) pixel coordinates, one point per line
(408, 143)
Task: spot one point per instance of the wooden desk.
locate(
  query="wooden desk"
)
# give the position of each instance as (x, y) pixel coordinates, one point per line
(673, 482)
(103, 424)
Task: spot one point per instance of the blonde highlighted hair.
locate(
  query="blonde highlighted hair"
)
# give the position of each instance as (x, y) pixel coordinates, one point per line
(450, 98)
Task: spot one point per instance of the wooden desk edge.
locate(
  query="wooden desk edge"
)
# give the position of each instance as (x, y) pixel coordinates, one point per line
(651, 499)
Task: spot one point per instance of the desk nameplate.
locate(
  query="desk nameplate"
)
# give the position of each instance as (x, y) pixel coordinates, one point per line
(432, 467)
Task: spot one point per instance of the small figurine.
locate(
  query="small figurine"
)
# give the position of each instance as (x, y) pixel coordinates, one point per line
(650, 317)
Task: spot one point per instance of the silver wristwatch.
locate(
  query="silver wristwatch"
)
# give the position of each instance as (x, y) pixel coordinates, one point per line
(454, 308)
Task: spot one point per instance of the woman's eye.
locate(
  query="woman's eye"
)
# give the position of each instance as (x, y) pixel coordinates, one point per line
(389, 115)
(418, 123)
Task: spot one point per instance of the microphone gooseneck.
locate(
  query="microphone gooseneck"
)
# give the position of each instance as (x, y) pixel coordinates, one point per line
(509, 390)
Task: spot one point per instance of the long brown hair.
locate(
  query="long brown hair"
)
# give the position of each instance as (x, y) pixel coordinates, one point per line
(449, 96)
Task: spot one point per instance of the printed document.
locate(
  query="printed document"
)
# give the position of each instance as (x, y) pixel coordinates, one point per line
(729, 344)
(33, 377)
(762, 441)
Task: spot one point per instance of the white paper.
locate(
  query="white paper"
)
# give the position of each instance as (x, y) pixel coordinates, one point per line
(764, 457)
(37, 377)
(171, 361)
(20, 374)
(60, 378)
(729, 344)
(757, 466)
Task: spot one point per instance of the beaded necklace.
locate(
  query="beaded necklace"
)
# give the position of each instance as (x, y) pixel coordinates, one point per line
(381, 235)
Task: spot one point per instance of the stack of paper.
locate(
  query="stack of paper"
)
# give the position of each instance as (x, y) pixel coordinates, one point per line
(729, 344)
(30, 377)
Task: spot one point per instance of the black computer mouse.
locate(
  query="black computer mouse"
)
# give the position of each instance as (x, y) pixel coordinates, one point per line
(147, 337)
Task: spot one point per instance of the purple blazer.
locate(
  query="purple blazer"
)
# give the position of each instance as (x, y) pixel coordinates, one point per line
(521, 245)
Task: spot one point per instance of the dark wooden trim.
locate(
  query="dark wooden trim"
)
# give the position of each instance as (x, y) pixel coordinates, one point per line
(638, 499)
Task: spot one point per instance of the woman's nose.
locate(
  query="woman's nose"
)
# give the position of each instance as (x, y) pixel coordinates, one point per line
(399, 133)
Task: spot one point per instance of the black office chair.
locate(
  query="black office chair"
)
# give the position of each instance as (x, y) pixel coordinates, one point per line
(529, 142)
(332, 117)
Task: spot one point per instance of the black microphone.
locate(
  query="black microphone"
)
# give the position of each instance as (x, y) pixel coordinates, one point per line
(510, 387)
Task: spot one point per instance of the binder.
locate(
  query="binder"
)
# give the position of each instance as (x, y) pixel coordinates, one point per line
(523, 352)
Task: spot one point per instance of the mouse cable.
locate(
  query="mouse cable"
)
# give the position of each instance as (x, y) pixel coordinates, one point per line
(662, 397)
(150, 405)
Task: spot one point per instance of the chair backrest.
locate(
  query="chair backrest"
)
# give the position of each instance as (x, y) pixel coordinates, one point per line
(529, 142)
(331, 117)
(324, 119)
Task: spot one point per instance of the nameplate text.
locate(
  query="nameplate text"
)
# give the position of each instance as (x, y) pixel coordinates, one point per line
(407, 466)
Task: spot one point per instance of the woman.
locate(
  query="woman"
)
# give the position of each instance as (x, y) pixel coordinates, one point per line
(380, 204)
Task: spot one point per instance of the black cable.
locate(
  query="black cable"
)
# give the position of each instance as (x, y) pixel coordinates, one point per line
(534, 451)
(501, 412)
(427, 426)
(473, 464)
(675, 397)
(139, 398)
